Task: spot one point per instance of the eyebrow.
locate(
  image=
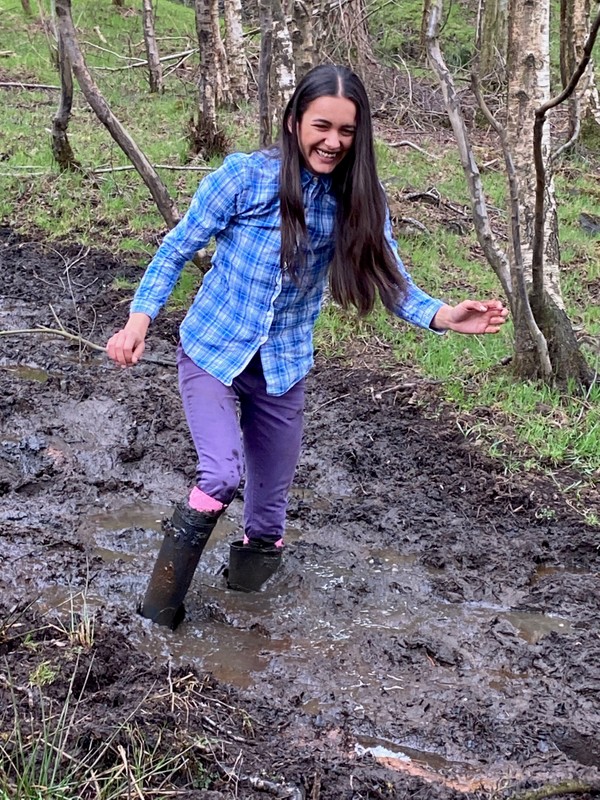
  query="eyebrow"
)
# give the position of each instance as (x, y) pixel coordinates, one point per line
(328, 122)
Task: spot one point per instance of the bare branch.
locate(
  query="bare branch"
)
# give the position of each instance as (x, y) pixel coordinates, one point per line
(413, 146)
(19, 85)
(164, 362)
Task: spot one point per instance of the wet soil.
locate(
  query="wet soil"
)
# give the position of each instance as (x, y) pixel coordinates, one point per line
(434, 629)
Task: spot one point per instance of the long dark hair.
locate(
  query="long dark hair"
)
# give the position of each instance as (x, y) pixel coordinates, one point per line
(363, 263)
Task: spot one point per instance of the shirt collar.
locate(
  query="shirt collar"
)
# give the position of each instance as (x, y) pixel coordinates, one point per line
(307, 177)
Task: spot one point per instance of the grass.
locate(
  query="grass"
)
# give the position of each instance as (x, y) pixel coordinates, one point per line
(115, 212)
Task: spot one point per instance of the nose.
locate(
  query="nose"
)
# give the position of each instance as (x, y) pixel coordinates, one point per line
(332, 140)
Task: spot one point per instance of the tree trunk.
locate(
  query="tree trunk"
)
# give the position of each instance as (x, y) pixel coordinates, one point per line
(206, 136)
(61, 147)
(155, 73)
(283, 67)
(545, 346)
(493, 36)
(425, 17)
(302, 37)
(584, 104)
(264, 74)
(26, 5)
(221, 69)
(91, 93)
(528, 69)
(234, 42)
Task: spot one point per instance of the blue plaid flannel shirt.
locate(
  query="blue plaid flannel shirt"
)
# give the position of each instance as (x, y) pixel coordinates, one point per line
(245, 302)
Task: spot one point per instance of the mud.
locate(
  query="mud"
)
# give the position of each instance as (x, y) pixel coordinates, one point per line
(432, 633)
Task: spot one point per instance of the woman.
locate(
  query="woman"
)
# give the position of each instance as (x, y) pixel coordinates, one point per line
(285, 222)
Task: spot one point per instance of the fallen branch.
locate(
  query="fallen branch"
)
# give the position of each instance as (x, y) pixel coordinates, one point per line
(164, 362)
(183, 54)
(557, 789)
(129, 167)
(19, 85)
(407, 143)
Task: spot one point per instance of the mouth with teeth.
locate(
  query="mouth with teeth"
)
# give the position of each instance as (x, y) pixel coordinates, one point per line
(326, 154)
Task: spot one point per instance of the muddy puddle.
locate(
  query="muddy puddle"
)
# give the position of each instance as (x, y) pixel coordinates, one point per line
(428, 622)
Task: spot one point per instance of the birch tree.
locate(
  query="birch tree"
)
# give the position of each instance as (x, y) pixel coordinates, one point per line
(545, 346)
(234, 43)
(584, 104)
(155, 73)
(528, 76)
(303, 39)
(207, 138)
(283, 67)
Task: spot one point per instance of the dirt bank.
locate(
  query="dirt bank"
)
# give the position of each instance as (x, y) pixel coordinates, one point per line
(433, 633)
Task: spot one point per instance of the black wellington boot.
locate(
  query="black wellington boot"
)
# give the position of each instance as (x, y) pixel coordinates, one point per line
(186, 534)
(252, 564)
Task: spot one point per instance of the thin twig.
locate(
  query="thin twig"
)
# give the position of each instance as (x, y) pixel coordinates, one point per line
(163, 362)
(407, 143)
(145, 63)
(129, 167)
(20, 85)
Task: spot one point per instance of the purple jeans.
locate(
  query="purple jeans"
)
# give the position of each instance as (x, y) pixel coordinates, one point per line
(265, 437)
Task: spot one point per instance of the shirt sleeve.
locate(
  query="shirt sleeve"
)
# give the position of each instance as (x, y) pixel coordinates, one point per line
(212, 208)
(416, 306)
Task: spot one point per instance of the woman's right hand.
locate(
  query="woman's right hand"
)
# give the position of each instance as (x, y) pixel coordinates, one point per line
(127, 345)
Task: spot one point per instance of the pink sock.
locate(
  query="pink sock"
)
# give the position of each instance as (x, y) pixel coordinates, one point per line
(200, 501)
(278, 543)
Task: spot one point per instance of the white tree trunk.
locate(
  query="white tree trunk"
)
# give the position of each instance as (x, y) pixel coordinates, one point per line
(155, 73)
(234, 43)
(221, 75)
(284, 70)
(528, 69)
(303, 38)
(585, 105)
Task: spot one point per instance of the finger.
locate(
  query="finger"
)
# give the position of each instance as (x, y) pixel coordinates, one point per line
(137, 352)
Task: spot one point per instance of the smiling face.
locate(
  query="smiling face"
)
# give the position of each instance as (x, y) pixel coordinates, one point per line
(326, 132)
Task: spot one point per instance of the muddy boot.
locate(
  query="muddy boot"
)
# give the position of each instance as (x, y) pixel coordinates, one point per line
(252, 564)
(186, 534)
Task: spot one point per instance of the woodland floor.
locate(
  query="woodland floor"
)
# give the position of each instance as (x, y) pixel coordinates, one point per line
(434, 631)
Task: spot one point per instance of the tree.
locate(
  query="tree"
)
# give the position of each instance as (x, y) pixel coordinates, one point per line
(234, 43)
(61, 147)
(545, 346)
(264, 74)
(206, 135)
(283, 66)
(155, 74)
(492, 23)
(584, 103)
(92, 94)
(303, 39)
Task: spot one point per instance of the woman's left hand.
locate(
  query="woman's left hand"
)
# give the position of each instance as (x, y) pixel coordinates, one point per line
(471, 316)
